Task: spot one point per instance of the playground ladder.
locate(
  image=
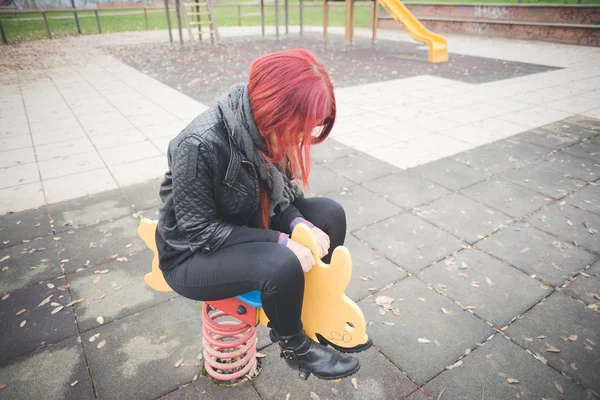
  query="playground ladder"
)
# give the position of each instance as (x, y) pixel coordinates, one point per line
(202, 11)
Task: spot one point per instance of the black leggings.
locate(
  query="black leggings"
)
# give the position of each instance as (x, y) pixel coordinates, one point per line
(269, 267)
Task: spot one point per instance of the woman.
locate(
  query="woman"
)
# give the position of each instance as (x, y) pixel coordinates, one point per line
(229, 201)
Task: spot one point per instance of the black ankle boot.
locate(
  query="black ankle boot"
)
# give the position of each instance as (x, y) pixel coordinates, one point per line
(302, 353)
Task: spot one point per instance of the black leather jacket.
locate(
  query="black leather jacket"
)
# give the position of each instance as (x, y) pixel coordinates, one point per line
(210, 193)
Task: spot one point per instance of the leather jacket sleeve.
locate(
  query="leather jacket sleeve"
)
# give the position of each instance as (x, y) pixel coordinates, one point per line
(195, 208)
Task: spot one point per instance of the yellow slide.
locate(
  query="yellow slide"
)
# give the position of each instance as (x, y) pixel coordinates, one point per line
(438, 48)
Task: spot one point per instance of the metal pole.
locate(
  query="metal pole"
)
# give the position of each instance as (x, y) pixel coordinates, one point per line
(348, 33)
(168, 20)
(76, 17)
(2, 33)
(276, 3)
(286, 16)
(179, 22)
(239, 15)
(199, 20)
(262, 17)
(301, 17)
(146, 18)
(375, 21)
(98, 21)
(325, 20)
(47, 25)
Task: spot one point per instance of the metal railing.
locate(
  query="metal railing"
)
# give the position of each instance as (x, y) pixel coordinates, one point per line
(78, 13)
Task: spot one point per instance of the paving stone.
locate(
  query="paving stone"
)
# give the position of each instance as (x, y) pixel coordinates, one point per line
(420, 394)
(577, 167)
(54, 373)
(89, 210)
(323, 181)
(450, 173)
(499, 291)
(507, 197)
(589, 149)
(501, 156)
(147, 344)
(585, 288)
(550, 137)
(25, 225)
(548, 324)
(29, 263)
(41, 327)
(377, 379)
(361, 168)
(108, 239)
(203, 389)
(484, 374)
(363, 207)
(587, 198)
(406, 189)
(144, 195)
(420, 316)
(409, 241)
(133, 295)
(330, 150)
(537, 253)
(571, 224)
(580, 126)
(463, 217)
(369, 264)
(543, 180)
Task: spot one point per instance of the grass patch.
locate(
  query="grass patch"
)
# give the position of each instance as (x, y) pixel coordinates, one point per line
(20, 27)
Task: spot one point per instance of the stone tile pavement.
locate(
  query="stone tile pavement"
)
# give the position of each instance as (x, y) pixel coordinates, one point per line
(488, 247)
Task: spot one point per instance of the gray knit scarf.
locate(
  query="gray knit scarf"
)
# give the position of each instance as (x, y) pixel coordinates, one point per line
(237, 112)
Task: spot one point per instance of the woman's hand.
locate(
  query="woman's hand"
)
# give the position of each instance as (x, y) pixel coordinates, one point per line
(303, 253)
(322, 240)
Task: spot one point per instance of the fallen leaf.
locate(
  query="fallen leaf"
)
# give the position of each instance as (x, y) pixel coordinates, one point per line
(101, 296)
(334, 391)
(456, 364)
(178, 363)
(395, 311)
(388, 323)
(586, 275)
(364, 278)
(597, 297)
(372, 289)
(96, 280)
(119, 288)
(541, 337)
(314, 396)
(553, 349)
(94, 337)
(50, 285)
(445, 311)
(74, 383)
(54, 304)
(101, 344)
(2, 385)
(355, 383)
(45, 301)
(56, 239)
(512, 380)
(104, 271)
(92, 245)
(129, 245)
(5, 296)
(525, 250)
(383, 300)
(100, 320)
(469, 307)
(574, 366)
(75, 302)
(57, 309)
(20, 312)
(195, 378)
(66, 260)
(489, 281)
(424, 340)
(4, 258)
(558, 387)
(62, 287)
(573, 338)
(22, 324)
(258, 355)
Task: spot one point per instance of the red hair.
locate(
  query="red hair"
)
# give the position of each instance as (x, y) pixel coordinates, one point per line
(291, 95)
